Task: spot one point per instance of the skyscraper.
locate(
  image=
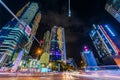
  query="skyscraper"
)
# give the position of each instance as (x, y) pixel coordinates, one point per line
(106, 42)
(44, 58)
(14, 36)
(57, 44)
(32, 17)
(46, 40)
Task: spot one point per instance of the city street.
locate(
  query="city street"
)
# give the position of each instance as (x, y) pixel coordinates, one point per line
(42, 78)
(59, 76)
(54, 76)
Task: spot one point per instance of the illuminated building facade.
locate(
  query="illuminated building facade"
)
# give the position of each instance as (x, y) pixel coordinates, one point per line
(14, 36)
(11, 38)
(113, 7)
(88, 58)
(44, 58)
(106, 42)
(46, 42)
(31, 16)
(57, 44)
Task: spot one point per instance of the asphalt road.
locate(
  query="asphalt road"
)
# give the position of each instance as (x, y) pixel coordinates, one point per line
(52, 76)
(57, 76)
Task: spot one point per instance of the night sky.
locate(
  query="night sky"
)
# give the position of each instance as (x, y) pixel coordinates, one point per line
(77, 27)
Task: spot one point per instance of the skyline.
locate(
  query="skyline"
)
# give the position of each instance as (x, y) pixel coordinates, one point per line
(49, 39)
(81, 23)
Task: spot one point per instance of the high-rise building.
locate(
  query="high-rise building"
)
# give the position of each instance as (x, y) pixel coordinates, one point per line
(14, 36)
(57, 44)
(31, 16)
(113, 7)
(88, 58)
(106, 42)
(44, 58)
(46, 42)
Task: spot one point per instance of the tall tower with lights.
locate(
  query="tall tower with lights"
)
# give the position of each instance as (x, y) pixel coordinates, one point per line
(57, 44)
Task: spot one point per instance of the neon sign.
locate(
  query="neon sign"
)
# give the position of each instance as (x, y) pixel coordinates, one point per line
(109, 30)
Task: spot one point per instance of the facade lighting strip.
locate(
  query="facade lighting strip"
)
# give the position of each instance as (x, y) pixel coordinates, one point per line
(113, 44)
(108, 40)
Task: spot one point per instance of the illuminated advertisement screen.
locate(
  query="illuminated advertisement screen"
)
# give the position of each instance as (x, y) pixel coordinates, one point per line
(113, 7)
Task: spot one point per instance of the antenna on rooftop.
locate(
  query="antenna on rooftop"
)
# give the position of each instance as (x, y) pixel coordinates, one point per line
(69, 11)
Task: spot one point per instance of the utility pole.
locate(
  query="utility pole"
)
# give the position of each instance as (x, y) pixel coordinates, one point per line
(58, 67)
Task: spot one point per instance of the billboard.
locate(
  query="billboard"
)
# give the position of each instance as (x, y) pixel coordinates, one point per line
(28, 30)
(113, 7)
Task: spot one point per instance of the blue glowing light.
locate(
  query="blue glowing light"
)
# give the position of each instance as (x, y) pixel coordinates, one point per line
(93, 33)
(95, 69)
(109, 30)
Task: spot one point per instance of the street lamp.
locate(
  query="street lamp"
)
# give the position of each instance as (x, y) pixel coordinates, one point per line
(50, 65)
(39, 52)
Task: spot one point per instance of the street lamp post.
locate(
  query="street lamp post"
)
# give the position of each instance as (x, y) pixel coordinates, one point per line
(50, 66)
(39, 52)
(58, 67)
